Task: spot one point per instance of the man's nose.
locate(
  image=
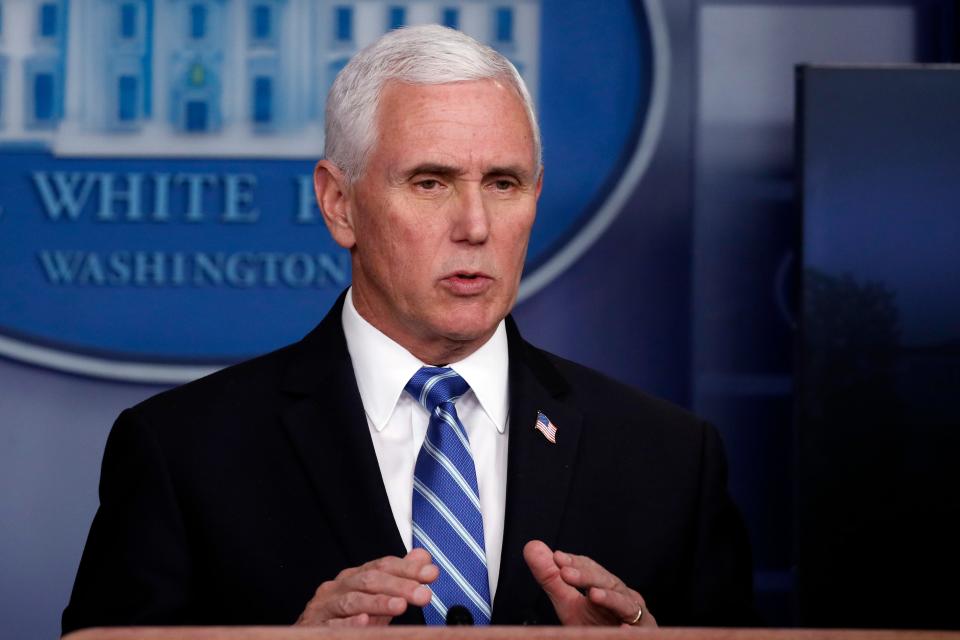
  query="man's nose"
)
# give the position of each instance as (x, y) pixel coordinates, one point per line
(472, 222)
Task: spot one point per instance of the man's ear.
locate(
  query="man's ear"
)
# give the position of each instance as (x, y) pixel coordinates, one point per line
(333, 198)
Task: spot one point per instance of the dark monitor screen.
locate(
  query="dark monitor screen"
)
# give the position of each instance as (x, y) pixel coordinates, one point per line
(879, 401)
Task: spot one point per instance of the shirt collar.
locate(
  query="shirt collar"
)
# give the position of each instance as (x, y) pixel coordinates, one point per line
(382, 369)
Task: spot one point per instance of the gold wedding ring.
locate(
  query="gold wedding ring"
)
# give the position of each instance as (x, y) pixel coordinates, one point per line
(639, 614)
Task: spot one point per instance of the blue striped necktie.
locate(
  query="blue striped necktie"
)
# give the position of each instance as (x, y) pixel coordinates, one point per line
(447, 520)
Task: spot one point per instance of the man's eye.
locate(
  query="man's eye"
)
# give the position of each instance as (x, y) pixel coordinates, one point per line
(504, 185)
(429, 184)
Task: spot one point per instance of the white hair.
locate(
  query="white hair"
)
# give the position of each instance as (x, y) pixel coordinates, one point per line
(425, 55)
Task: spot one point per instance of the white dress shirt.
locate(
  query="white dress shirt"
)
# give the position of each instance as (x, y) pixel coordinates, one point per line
(398, 423)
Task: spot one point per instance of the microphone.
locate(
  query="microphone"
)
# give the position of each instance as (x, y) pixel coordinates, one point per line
(459, 616)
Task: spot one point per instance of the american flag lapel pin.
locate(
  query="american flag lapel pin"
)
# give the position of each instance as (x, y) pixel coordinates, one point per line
(547, 428)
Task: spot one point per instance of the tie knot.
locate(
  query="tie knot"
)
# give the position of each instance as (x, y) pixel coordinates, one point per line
(433, 386)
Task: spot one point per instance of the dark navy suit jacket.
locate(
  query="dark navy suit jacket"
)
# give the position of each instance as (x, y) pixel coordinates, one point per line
(230, 499)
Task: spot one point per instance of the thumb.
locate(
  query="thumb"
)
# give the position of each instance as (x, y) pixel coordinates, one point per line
(545, 570)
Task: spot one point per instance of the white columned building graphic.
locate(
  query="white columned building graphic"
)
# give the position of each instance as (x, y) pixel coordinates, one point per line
(32, 69)
(188, 78)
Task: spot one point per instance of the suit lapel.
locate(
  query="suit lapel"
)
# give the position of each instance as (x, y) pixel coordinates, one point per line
(538, 472)
(327, 426)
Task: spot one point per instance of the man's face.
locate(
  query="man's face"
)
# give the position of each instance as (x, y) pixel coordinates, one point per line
(442, 214)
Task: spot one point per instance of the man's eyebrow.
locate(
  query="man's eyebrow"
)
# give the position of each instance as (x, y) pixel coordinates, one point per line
(434, 169)
(516, 171)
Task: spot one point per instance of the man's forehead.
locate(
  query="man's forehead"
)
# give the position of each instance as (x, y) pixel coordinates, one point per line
(451, 127)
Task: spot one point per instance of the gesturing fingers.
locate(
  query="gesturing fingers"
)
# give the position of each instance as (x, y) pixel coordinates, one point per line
(546, 572)
(627, 606)
(583, 572)
(412, 565)
(372, 593)
(583, 591)
(354, 603)
(374, 581)
(360, 620)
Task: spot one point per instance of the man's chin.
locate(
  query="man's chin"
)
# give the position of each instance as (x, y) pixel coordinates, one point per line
(467, 327)
(461, 335)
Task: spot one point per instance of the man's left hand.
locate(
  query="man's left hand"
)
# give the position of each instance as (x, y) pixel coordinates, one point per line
(583, 592)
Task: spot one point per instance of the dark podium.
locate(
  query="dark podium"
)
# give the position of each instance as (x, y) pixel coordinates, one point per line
(494, 633)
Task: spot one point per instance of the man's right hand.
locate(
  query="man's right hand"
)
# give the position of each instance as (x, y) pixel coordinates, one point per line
(372, 594)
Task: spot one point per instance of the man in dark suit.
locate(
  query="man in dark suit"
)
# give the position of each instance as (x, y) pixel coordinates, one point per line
(279, 490)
